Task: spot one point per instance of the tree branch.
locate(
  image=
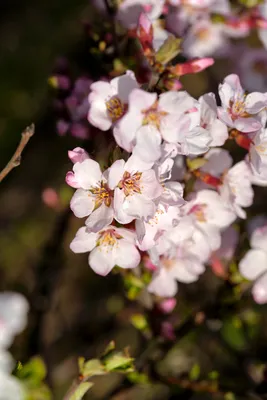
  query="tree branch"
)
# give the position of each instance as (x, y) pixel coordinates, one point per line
(16, 158)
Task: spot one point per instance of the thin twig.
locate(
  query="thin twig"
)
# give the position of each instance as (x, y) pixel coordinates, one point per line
(16, 158)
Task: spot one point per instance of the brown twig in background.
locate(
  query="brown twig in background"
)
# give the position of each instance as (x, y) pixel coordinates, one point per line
(16, 158)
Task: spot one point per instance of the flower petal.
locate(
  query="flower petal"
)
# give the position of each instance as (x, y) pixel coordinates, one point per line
(138, 206)
(100, 218)
(82, 203)
(87, 173)
(83, 241)
(253, 264)
(148, 141)
(115, 173)
(101, 260)
(126, 255)
(163, 284)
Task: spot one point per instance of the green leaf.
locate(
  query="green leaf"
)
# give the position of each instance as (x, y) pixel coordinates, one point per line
(139, 321)
(169, 50)
(109, 349)
(196, 163)
(93, 367)
(81, 390)
(233, 333)
(194, 373)
(119, 362)
(250, 3)
(81, 362)
(33, 372)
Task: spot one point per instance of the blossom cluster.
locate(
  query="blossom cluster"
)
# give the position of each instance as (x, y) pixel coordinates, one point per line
(13, 317)
(169, 202)
(207, 26)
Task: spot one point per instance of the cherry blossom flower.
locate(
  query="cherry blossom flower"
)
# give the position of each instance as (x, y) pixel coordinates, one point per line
(148, 232)
(13, 316)
(150, 119)
(240, 110)
(253, 265)
(108, 100)
(109, 247)
(135, 188)
(208, 207)
(258, 153)
(93, 196)
(182, 267)
(206, 39)
(10, 387)
(237, 188)
(129, 11)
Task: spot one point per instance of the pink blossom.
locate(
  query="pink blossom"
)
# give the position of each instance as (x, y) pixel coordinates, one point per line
(109, 247)
(208, 207)
(93, 196)
(135, 188)
(78, 155)
(129, 11)
(182, 267)
(258, 153)
(253, 265)
(168, 305)
(237, 188)
(108, 100)
(239, 110)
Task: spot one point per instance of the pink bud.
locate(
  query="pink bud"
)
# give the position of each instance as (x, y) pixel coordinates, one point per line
(70, 180)
(78, 155)
(50, 198)
(148, 263)
(145, 32)
(167, 306)
(194, 66)
(167, 331)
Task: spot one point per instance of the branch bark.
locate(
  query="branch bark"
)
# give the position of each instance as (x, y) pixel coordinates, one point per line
(16, 158)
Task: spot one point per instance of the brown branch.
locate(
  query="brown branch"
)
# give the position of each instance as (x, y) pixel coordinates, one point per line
(16, 158)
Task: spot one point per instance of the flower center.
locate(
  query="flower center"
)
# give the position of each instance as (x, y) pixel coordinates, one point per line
(130, 183)
(261, 148)
(199, 211)
(203, 34)
(102, 195)
(108, 238)
(152, 116)
(115, 108)
(237, 108)
(167, 263)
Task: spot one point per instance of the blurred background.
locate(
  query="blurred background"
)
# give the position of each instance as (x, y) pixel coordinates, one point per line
(73, 311)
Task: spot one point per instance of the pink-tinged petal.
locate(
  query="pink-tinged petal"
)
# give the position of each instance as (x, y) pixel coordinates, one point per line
(259, 290)
(255, 102)
(163, 284)
(100, 218)
(83, 241)
(181, 272)
(78, 155)
(100, 88)
(82, 203)
(194, 66)
(247, 125)
(98, 116)
(124, 85)
(120, 215)
(148, 141)
(151, 188)
(230, 89)
(127, 234)
(141, 100)
(225, 117)
(219, 133)
(253, 264)
(101, 260)
(136, 164)
(208, 108)
(87, 173)
(145, 32)
(218, 162)
(168, 305)
(115, 173)
(140, 229)
(125, 129)
(126, 255)
(138, 206)
(176, 102)
(196, 142)
(71, 181)
(172, 194)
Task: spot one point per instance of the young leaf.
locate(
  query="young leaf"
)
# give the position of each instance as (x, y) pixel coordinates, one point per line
(81, 390)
